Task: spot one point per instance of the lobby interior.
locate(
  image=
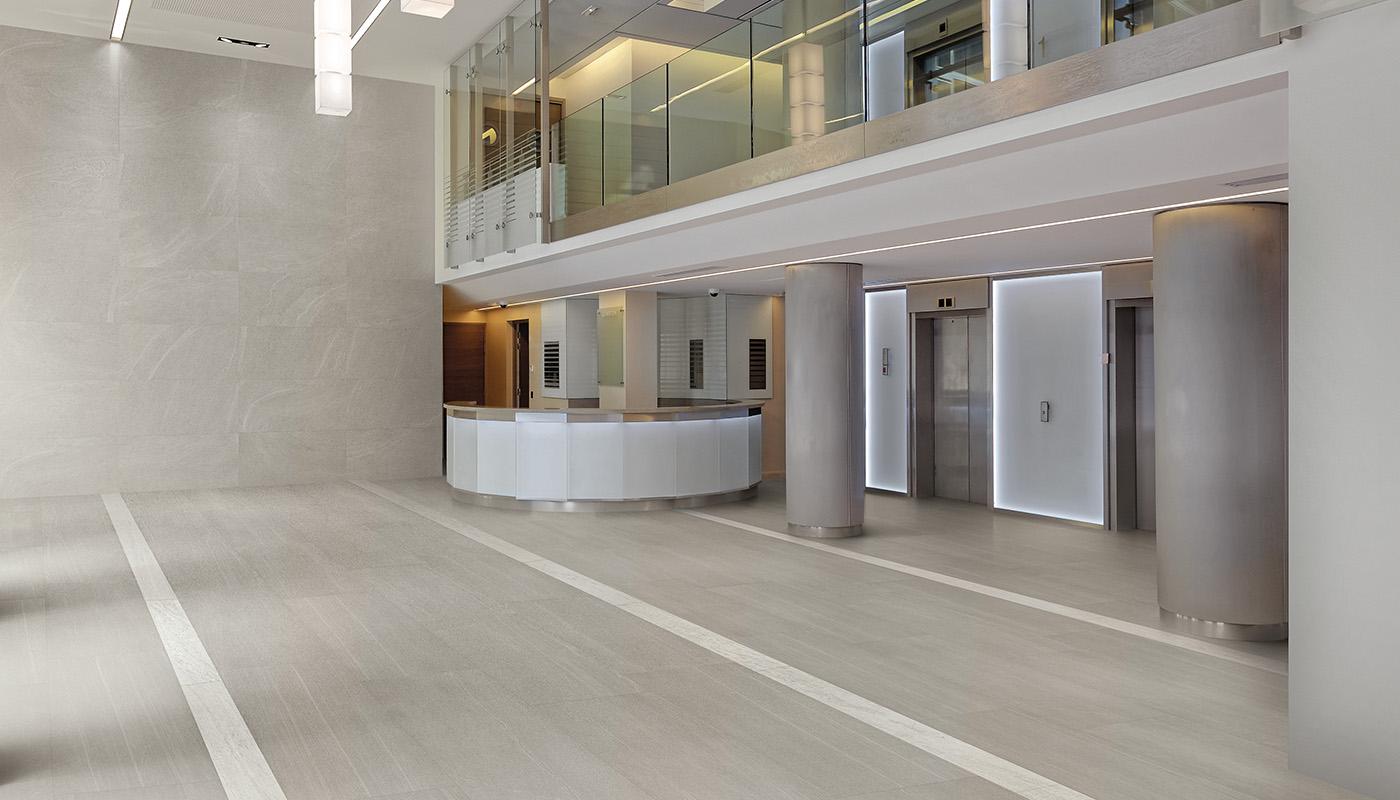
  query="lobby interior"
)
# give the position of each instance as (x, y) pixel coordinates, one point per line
(693, 399)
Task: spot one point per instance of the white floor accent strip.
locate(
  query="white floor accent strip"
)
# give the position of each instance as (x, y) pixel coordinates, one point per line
(241, 766)
(1122, 626)
(970, 758)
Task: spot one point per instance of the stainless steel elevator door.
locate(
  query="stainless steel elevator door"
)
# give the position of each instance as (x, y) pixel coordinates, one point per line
(1144, 386)
(951, 409)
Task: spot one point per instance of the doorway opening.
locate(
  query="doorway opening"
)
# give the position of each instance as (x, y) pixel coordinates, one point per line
(520, 363)
(1132, 468)
(950, 435)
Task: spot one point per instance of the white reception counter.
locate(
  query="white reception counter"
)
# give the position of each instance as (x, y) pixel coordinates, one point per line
(591, 459)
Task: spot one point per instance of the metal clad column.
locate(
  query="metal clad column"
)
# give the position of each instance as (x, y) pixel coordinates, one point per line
(1222, 527)
(824, 330)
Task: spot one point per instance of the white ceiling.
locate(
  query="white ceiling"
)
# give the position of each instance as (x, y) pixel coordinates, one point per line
(398, 46)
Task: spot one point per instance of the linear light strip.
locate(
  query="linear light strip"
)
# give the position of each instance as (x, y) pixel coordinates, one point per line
(119, 20)
(364, 26)
(1112, 262)
(890, 248)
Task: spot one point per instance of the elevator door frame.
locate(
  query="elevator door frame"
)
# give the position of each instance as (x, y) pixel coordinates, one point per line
(920, 414)
(1120, 495)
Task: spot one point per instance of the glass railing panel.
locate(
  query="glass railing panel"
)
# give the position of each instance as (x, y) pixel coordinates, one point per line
(710, 103)
(634, 137)
(806, 71)
(520, 119)
(578, 143)
(921, 51)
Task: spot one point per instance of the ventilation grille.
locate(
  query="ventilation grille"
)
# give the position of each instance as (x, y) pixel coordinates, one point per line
(697, 363)
(551, 365)
(758, 364)
(1259, 181)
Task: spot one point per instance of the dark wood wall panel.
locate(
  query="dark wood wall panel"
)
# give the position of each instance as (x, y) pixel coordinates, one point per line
(464, 362)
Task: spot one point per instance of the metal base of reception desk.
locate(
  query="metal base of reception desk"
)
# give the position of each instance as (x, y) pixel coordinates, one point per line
(590, 459)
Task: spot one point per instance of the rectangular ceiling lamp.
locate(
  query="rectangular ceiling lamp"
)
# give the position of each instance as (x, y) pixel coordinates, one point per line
(436, 9)
(333, 91)
(119, 19)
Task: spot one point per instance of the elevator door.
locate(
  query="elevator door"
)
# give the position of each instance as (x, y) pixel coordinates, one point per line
(950, 408)
(1144, 426)
(951, 414)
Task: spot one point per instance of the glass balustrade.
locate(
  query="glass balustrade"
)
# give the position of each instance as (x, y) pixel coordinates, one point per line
(629, 114)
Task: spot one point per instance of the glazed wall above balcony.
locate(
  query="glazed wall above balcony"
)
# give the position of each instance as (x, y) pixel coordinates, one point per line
(793, 87)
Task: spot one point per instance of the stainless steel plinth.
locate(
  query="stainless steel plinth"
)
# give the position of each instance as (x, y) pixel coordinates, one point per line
(595, 506)
(1275, 632)
(824, 531)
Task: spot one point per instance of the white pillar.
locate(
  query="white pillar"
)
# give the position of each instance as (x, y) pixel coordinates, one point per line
(1009, 37)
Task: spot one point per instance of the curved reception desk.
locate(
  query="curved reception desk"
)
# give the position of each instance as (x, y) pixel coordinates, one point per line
(591, 459)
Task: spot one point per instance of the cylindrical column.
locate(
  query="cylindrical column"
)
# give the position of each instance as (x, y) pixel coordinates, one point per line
(1220, 314)
(824, 329)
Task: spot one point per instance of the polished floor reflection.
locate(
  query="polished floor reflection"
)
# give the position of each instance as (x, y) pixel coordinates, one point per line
(382, 641)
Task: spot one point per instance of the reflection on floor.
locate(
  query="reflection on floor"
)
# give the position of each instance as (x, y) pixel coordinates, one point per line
(375, 653)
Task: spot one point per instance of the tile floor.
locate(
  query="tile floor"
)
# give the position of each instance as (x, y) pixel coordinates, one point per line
(374, 653)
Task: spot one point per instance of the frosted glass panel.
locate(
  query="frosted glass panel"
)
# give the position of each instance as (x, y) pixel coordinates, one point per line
(886, 391)
(1046, 348)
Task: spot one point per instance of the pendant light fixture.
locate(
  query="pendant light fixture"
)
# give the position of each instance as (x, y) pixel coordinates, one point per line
(333, 91)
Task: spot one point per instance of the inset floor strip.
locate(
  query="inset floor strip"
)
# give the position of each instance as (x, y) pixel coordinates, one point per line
(979, 762)
(1112, 623)
(241, 766)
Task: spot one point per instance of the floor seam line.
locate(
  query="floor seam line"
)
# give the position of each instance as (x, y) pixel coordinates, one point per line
(239, 763)
(968, 757)
(1027, 601)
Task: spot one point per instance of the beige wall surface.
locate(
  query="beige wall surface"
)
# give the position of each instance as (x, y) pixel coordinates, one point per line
(202, 283)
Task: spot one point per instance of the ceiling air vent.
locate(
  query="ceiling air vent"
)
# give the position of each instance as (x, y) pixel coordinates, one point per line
(1259, 181)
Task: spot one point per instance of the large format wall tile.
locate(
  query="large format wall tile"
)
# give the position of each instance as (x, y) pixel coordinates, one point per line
(165, 296)
(152, 463)
(179, 241)
(387, 454)
(270, 298)
(59, 351)
(152, 408)
(292, 406)
(178, 352)
(296, 457)
(202, 282)
(57, 408)
(303, 353)
(41, 467)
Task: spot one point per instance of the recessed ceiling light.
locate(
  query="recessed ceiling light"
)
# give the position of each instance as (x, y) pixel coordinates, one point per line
(426, 8)
(119, 21)
(244, 42)
(588, 12)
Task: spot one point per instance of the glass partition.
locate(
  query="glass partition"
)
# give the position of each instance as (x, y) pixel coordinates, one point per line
(806, 71)
(491, 195)
(790, 72)
(579, 153)
(634, 137)
(710, 107)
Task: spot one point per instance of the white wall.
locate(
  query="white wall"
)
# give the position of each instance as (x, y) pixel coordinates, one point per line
(1061, 28)
(1344, 435)
(886, 58)
(1047, 343)
(887, 396)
